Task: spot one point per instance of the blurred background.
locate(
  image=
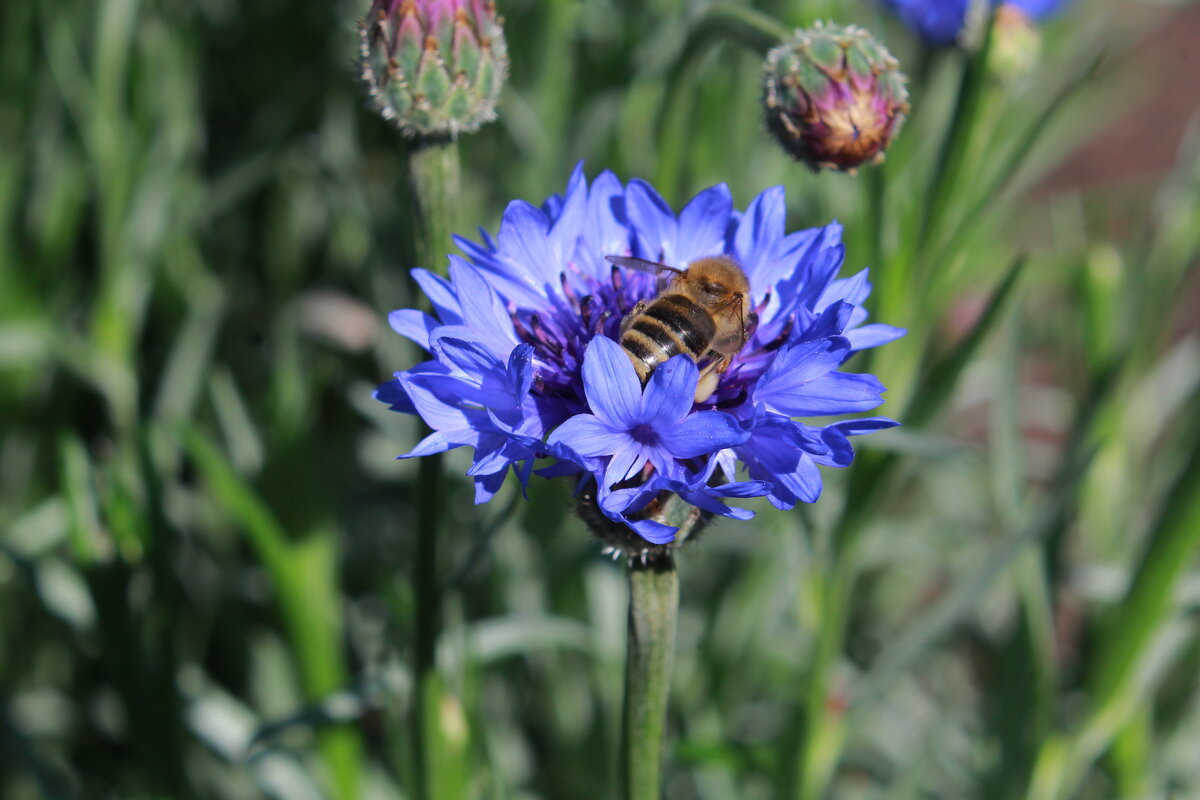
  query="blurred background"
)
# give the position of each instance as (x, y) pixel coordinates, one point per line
(205, 535)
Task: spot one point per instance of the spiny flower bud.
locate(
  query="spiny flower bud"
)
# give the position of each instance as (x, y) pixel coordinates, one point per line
(833, 96)
(434, 67)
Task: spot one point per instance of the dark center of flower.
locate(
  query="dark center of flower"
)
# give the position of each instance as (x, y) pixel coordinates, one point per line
(644, 434)
(561, 331)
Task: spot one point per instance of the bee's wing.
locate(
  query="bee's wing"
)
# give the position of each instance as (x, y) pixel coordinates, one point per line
(642, 265)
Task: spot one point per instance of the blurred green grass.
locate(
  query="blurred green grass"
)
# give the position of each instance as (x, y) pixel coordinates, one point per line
(204, 538)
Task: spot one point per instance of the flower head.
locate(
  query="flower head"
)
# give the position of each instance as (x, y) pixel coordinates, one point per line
(833, 96)
(434, 67)
(941, 23)
(526, 362)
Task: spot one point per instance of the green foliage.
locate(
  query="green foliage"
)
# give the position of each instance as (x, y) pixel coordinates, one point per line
(205, 542)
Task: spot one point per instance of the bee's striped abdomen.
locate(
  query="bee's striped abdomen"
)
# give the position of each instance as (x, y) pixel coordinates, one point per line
(670, 325)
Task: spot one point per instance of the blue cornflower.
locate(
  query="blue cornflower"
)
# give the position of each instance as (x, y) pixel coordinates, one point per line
(941, 22)
(526, 366)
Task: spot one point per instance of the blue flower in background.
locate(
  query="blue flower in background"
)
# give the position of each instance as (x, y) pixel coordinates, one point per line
(525, 361)
(939, 22)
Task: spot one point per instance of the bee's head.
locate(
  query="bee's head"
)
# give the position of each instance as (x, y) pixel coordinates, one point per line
(717, 280)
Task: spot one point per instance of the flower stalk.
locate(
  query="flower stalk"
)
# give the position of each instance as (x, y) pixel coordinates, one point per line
(433, 188)
(427, 626)
(433, 185)
(947, 176)
(653, 604)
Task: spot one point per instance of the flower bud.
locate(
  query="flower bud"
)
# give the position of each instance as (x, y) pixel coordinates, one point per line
(434, 67)
(1016, 43)
(833, 97)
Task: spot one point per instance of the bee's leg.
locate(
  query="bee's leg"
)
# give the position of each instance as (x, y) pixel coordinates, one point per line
(710, 376)
(628, 319)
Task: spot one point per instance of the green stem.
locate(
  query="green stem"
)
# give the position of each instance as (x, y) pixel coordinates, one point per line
(824, 729)
(756, 29)
(434, 188)
(433, 182)
(889, 282)
(427, 623)
(653, 602)
(955, 146)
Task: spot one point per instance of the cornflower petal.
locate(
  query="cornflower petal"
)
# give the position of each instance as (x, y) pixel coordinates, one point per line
(605, 231)
(832, 322)
(611, 384)
(787, 382)
(470, 357)
(588, 435)
(701, 433)
(392, 393)
(653, 532)
(668, 395)
(413, 324)
(437, 399)
(836, 437)
(741, 489)
(835, 393)
(567, 225)
(441, 441)
(520, 369)
(712, 504)
(617, 504)
(758, 235)
(486, 486)
(525, 246)
(441, 295)
(702, 224)
(804, 482)
(873, 335)
(626, 462)
(853, 290)
(483, 310)
(655, 224)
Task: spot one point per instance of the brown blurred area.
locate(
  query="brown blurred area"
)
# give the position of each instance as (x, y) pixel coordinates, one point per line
(1144, 141)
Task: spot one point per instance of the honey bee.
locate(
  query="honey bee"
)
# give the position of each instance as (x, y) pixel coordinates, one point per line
(701, 312)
